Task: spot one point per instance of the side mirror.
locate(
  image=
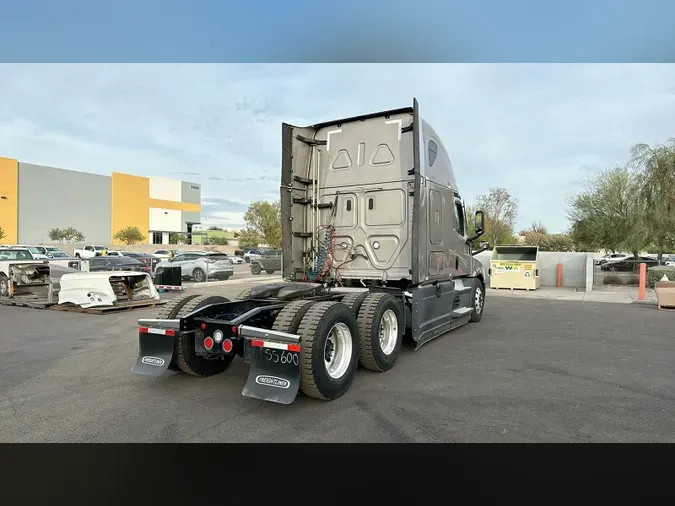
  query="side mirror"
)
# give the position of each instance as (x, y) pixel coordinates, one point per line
(479, 222)
(479, 225)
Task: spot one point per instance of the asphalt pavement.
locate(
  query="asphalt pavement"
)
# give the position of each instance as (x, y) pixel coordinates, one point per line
(530, 371)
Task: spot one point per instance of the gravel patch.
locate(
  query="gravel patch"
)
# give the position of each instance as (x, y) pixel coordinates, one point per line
(632, 291)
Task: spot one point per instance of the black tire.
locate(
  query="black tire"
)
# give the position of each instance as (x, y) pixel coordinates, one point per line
(184, 346)
(354, 300)
(370, 320)
(269, 272)
(4, 285)
(612, 269)
(314, 329)
(225, 278)
(478, 308)
(289, 318)
(169, 311)
(244, 294)
(199, 275)
(77, 255)
(256, 269)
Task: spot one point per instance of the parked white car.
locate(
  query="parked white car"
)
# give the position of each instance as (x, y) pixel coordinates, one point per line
(164, 254)
(252, 254)
(200, 265)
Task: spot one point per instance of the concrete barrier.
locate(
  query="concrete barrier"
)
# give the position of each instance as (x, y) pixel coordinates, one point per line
(577, 268)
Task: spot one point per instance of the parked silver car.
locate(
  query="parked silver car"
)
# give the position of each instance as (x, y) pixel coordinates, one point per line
(200, 265)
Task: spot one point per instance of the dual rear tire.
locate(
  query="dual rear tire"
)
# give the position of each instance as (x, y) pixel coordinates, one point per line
(336, 336)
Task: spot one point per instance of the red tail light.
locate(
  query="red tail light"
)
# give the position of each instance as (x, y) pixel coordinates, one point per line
(227, 346)
(210, 261)
(208, 343)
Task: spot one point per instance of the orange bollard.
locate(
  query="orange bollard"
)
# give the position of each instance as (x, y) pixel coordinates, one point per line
(558, 281)
(643, 281)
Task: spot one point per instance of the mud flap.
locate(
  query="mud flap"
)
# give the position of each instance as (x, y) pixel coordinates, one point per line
(274, 373)
(155, 352)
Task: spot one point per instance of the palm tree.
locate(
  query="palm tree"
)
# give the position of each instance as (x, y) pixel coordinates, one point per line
(656, 171)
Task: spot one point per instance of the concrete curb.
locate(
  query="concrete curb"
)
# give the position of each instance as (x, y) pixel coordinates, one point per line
(645, 302)
(233, 281)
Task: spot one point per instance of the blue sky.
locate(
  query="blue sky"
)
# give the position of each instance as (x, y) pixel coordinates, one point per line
(348, 30)
(537, 130)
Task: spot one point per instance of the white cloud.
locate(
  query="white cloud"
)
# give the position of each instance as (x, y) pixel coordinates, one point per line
(534, 129)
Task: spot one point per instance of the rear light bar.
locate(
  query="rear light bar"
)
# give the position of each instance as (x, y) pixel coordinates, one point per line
(150, 330)
(259, 343)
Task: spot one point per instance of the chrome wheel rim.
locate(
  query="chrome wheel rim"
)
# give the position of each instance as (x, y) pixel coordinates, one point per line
(337, 351)
(478, 302)
(388, 331)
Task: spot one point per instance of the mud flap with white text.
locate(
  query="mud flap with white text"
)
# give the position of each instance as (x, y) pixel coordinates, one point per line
(155, 351)
(274, 373)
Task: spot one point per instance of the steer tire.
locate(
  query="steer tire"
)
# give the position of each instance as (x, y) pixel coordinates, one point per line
(289, 318)
(370, 320)
(354, 301)
(478, 309)
(256, 269)
(314, 330)
(184, 345)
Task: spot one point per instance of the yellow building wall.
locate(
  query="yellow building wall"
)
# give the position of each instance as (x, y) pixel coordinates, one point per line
(130, 203)
(9, 200)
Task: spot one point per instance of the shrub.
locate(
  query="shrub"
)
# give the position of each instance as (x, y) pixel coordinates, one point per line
(654, 274)
(633, 280)
(612, 279)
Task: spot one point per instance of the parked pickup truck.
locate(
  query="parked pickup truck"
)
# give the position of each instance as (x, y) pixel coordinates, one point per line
(269, 261)
(90, 251)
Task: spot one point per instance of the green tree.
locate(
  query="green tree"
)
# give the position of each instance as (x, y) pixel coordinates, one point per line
(69, 234)
(538, 235)
(176, 238)
(655, 168)
(265, 219)
(129, 235)
(501, 212)
(217, 241)
(608, 213)
(2, 233)
(249, 239)
(56, 234)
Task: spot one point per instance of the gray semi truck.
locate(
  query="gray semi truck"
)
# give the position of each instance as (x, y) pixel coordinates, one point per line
(375, 248)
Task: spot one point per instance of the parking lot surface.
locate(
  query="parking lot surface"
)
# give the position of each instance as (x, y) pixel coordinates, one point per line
(530, 371)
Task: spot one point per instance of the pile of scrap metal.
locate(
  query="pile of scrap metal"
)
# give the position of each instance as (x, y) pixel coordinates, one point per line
(97, 289)
(29, 280)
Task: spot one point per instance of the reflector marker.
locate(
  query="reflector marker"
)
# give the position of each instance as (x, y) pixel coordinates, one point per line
(259, 343)
(150, 330)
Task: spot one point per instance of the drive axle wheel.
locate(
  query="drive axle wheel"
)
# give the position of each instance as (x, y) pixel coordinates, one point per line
(184, 346)
(169, 311)
(289, 318)
(354, 301)
(329, 350)
(380, 324)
